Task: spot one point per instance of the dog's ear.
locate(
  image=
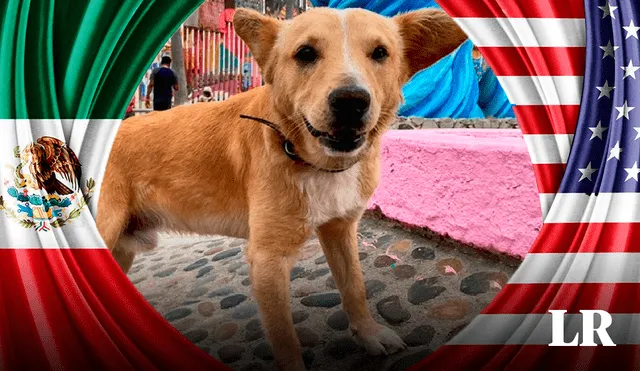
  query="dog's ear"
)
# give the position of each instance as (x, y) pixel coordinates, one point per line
(260, 33)
(428, 35)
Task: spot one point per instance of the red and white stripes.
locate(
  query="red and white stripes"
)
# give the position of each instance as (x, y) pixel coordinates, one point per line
(582, 258)
(537, 51)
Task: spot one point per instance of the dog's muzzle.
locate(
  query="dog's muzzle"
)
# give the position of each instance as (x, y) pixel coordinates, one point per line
(343, 140)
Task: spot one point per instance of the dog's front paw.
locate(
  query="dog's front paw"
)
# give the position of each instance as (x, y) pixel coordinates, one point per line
(378, 339)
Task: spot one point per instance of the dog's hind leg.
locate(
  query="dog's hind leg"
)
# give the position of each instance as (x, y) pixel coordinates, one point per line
(113, 218)
(123, 256)
(129, 244)
(120, 245)
(112, 229)
(339, 240)
(111, 222)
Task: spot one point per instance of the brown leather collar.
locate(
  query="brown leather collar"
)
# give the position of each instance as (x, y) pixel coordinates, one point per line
(287, 146)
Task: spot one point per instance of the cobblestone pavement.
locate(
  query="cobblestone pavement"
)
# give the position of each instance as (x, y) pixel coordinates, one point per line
(426, 289)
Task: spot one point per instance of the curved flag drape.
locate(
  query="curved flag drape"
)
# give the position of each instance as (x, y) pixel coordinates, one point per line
(450, 87)
(573, 71)
(68, 69)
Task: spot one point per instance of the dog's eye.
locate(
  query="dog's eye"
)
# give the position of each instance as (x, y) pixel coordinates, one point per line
(306, 54)
(380, 53)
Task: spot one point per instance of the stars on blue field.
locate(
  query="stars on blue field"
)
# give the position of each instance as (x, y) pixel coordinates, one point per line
(606, 147)
(630, 70)
(608, 11)
(632, 30)
(609, 50)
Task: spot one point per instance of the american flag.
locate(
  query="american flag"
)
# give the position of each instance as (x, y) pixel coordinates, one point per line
(573, 70)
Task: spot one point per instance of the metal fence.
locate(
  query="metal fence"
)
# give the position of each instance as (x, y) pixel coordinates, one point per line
(214, 55)
(216, 59)
(219, 60)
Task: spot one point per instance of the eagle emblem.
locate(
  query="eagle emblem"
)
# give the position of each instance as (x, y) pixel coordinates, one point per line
(45, 186)
(46, 159)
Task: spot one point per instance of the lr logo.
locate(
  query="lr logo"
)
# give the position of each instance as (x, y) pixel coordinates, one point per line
(588, 329)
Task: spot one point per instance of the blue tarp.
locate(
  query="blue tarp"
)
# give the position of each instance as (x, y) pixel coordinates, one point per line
(449, 88)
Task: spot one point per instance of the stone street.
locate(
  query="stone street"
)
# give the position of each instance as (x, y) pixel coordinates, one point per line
(425, 288)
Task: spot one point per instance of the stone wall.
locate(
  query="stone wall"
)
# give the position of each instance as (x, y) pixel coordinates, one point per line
(408, 123)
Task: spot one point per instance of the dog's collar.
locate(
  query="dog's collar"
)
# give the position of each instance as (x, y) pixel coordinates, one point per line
(289, 150)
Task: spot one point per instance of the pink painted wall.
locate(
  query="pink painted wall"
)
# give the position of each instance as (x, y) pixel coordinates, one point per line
(474, 185)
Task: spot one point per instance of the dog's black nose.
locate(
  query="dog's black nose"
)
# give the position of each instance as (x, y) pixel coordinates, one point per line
(349, 104)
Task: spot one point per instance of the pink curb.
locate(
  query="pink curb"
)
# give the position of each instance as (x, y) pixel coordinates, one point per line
(473, 185)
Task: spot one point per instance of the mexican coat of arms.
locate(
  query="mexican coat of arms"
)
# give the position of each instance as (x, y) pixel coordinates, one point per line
(44, 189)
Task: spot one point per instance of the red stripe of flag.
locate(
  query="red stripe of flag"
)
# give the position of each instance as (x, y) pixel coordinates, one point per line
(15, 301)
(549, 177)
(514, 9)
(537, 61)
(42, 273)
(84, 331)
(559, 119)
(61, 336)
(539, 298)
(587, 238)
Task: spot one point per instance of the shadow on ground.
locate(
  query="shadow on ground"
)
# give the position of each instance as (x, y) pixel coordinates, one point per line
(426, 289)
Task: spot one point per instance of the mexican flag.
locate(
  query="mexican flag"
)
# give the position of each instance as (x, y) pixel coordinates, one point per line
(68, 69)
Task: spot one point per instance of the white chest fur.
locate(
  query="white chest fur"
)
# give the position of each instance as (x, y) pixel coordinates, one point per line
(332, 195)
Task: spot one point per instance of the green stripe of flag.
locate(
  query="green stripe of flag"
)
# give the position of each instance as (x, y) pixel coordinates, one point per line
(80, 58)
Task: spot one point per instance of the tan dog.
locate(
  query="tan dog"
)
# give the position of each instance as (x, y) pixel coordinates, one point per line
(333, 85)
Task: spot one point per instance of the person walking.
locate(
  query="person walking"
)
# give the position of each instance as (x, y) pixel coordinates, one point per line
(162, 82)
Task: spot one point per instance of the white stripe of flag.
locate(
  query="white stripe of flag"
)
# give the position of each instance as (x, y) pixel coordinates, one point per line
(526, 32)
(542, 90)
(578, 268)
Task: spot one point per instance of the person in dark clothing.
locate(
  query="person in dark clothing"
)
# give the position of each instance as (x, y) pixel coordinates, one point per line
(161, 83)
